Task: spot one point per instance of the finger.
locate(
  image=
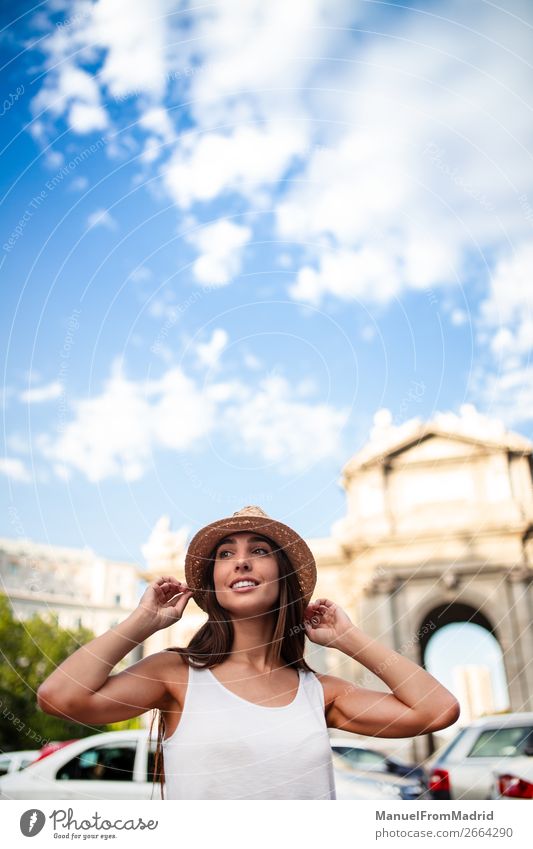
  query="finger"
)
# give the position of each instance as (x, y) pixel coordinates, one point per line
(182, 603)
(169, 583)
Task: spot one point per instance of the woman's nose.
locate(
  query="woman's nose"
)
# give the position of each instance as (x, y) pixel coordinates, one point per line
(242, 564)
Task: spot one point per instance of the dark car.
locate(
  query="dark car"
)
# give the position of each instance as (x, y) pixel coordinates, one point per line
(370, 759)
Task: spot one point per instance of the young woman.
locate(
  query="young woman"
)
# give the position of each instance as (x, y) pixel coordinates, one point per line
(242, 715)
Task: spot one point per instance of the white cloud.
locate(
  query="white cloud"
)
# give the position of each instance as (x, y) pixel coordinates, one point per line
(116, 433)
(425, 155)
(157, 121)
(38, 394)
(505, 325)
(242, 161)
(293, 435)
(510, 296)
(368, 275)
(508, 394)
(78, 184)
(425, 162)
(15, 469)
(86, 117)
(101, 218)
(221, 245)
(209, 353)
(257, 57)
(458, 317)
(54, 159)
(131, 44)
(134, 37)
(71, 91)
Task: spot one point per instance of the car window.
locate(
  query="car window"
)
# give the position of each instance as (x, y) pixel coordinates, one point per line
(111, 762)
(370, 758)
(4, 766)
(500, 742)
(360, 757)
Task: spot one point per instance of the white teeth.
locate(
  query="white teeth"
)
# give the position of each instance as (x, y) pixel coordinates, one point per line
(243, 584)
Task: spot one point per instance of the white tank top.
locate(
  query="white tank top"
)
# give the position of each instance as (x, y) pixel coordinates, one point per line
(226, 747)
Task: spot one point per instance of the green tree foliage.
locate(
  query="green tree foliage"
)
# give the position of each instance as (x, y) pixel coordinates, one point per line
(29, 652)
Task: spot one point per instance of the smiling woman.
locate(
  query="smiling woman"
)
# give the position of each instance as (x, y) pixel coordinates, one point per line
(241, 713)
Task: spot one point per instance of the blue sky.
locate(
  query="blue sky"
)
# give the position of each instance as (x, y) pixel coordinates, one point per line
(232, 233)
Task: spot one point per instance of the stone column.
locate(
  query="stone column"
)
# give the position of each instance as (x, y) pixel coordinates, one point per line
(519, 593)
(512, 647)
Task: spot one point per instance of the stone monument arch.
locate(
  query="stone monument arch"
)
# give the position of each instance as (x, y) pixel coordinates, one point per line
(438, 529)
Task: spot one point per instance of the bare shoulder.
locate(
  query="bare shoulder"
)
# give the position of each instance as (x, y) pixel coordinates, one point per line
(176, 674)
(333, 688)
(172, 663)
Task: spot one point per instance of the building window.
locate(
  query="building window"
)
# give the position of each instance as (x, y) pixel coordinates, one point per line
(117, 598)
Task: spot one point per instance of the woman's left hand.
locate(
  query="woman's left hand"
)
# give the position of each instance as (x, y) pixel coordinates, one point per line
(325, 622)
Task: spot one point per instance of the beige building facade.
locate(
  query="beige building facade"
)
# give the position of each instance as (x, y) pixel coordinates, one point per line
(77, 585)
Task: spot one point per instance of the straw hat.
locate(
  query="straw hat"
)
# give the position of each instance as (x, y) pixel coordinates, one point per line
(252, 519)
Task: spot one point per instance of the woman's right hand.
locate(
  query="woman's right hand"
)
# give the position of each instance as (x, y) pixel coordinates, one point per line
(164, 601)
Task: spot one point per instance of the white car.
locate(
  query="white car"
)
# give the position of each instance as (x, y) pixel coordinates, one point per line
(515, 781)
(110, 765)
(464, 768)
(13, 761)
(119, 765)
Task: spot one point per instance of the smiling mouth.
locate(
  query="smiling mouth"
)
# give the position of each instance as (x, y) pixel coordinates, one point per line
(244, 585)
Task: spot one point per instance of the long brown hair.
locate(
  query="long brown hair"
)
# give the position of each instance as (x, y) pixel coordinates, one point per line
(213, 642)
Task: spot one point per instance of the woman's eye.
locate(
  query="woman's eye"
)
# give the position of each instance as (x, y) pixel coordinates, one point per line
(265, 550)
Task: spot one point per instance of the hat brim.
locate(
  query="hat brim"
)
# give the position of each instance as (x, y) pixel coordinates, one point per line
(202, 545)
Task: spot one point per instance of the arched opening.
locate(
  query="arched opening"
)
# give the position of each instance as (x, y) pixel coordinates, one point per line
(459, 647)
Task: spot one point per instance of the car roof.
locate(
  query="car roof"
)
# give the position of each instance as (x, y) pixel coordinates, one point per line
(501, 719)
(82, 743)
(20, 753)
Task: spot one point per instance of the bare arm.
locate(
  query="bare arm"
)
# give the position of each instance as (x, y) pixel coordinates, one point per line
(83, 690)
(417, 704)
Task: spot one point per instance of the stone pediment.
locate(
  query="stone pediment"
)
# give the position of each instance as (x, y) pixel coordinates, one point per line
(434, 446)
(444, 438)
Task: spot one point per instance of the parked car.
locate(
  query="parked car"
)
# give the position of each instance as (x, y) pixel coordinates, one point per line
(15, 761)
(464, 768)
(353, 783)
(119, 765)
(384, 785)
(109, 765)
(515, 781)
(364, 758)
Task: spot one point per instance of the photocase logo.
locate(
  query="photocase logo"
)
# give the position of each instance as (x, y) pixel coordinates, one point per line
(31, 822)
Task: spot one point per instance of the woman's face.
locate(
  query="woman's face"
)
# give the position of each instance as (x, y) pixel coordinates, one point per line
(246, 574)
